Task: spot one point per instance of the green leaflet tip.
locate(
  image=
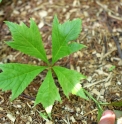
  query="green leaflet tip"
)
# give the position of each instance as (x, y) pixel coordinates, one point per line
(7, 23)
(44, 115)
(32, 20)
(84, 46)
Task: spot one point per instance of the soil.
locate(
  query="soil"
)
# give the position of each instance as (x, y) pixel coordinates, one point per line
(101, 33)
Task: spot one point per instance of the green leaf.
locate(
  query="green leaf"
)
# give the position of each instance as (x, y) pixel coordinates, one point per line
(17, 77)
(100, 112)
(47, 93)
(74, 47)
(61, 35)
(70, 81)
(117, 103)
(27, 40)
(44, 115)
(112, 68)
(0, 1)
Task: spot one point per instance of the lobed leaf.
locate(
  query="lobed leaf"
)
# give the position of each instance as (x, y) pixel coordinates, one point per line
(17, 77)
(69, 81)
(61, 35)
(27, 40)
(47, 93)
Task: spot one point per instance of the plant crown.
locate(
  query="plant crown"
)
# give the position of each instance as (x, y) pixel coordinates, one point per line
(16, 77)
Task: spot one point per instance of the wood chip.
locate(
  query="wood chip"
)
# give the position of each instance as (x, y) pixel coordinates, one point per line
(11, 117)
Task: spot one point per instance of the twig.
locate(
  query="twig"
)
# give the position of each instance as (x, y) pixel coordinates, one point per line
(115, 17)
(109, 11)
(27, 97)
(89, 85)
(89, 112)
(104, 80)
(105, 43)
(113, 49)
(116, 40)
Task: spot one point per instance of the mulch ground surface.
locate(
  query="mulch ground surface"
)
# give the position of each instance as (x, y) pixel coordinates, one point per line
(101, 33)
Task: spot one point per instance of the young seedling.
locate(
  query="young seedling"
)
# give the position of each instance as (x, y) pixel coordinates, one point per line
(112, 68)
(16, 77)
